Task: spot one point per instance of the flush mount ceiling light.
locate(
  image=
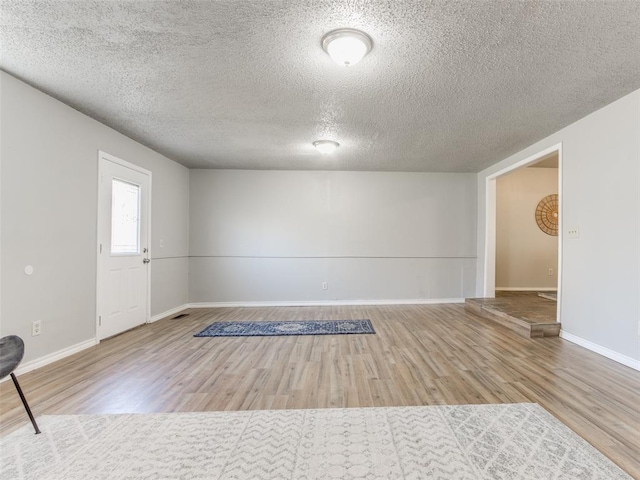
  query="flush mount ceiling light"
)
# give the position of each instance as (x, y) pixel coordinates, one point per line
(347, 46)
(326, 147)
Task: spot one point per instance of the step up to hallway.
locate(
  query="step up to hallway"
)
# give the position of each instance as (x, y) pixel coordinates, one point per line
(528, 320)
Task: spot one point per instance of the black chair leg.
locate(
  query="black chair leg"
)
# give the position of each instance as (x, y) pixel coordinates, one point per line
(24, 402)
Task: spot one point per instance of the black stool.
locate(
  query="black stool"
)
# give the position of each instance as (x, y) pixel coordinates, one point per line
(11, 353)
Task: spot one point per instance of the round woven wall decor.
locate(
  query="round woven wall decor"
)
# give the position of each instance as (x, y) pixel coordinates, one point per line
(547, 215)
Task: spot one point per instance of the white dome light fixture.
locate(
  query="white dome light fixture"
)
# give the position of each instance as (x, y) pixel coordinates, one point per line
(326, 147)
(347, 46)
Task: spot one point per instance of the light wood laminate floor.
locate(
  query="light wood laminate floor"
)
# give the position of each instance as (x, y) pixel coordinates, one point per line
(421, 355)
(527, 306)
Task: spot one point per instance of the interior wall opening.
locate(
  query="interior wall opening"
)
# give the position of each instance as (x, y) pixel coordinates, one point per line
(523, 236)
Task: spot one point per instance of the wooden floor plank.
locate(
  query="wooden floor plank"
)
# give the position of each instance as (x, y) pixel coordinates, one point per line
(420, 355)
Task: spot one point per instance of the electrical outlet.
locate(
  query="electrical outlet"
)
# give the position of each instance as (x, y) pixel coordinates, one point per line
(573, 232)
(325, 286)
(550, 272)
(36, 328)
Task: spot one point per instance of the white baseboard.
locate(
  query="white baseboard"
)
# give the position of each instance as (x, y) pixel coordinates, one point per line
(526, 289)
(65, 352)
(55, 356)
(604, 351)
(320, 303)
(172, 311)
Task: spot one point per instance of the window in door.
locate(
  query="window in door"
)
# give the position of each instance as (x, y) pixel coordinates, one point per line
(125, 218)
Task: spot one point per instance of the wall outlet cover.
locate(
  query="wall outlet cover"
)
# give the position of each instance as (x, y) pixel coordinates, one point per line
(36, 328)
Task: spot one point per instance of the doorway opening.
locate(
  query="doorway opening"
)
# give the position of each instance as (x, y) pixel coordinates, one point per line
(523, 244)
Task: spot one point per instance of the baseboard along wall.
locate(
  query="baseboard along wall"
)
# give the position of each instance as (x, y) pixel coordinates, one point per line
(599, 349)
(526, 289)
(53, 357)
(320, 303)
(171, 311)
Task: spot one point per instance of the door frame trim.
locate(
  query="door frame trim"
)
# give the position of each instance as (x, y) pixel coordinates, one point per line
(102, 155)
(489, 278)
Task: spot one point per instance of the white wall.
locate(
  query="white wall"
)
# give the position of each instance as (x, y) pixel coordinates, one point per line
(49, 156)
(524, 253)
(600, 188)
(275, 236)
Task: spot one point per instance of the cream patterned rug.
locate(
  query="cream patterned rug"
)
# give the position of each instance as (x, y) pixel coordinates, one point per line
(517, 441)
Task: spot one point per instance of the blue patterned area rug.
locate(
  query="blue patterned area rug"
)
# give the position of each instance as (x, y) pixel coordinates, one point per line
(302, 327)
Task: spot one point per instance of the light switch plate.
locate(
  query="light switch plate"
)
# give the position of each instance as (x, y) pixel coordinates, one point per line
(573, 232)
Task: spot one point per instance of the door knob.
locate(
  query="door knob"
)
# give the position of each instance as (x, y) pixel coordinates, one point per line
(146, 260)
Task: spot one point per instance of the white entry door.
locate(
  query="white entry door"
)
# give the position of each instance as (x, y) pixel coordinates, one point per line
(123, 246)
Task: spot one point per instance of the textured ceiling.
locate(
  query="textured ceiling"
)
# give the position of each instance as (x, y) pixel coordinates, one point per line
(448, 86)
